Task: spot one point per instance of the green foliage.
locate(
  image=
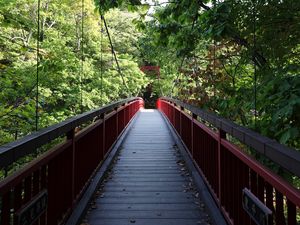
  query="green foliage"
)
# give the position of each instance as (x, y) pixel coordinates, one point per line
(281, 105)
(130, 5)
(209, 52)
(65, 74)
(213, 49)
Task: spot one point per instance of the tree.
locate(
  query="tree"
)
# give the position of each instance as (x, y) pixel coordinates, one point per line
(76, 72)
(223, 50)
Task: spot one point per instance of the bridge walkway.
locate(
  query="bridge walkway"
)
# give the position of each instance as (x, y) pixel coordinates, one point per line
(148, 183)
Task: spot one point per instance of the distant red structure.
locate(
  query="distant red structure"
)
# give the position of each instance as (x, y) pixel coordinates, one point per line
(151, 68)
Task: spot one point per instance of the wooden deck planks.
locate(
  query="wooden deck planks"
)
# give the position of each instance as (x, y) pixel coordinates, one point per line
(148, 183)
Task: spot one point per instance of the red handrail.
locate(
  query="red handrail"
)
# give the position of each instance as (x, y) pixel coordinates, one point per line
(64, 172)
(227, 169)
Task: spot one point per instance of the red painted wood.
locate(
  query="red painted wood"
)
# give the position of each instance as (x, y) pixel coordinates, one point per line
(177, 120)
(43, 186)
(270, 177)
(235, 203)
(63, 169)
(235, 170)
(221, 134)
(245, 184)
(120, 121)
(279, 213)
(269, 199)
(36, 187)
(261, 189)
(239, 187)
(53, 179)
(5, 211)
(36, 183)
(27, 189)
(291, 213)
(253, 182)
(17, 193)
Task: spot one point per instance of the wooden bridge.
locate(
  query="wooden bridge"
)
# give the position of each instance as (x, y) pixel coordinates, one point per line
(122, 164)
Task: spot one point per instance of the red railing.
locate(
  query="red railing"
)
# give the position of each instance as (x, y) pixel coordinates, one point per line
(63, 172)
(227, 169)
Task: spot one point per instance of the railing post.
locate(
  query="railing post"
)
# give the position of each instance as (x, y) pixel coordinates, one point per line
(128, 112)
(174, 110)
(71, 137)
(180, 123)
(102, 117)
(124, 122)
(221, 135)
(141, 104)
(117, 121)
(194, 117)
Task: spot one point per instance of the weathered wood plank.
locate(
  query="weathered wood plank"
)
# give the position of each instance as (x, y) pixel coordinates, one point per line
(149, 222)
(148, 183)
(150, 179)
(145, 200)
(147, 194)
(147, 171)
(147, 207)
(139, 214)
(162, 188)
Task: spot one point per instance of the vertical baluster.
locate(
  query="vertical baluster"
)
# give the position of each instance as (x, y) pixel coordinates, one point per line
(194, 118)
(173, 112)
(180, 120)
(123, 120)
(127, 113)
(71, 137)
(240, 187)
(221, 135)
(17, 201)
(167, 111)
(190, 124)
(245, 184)
(232, 192)
(205, 152)
(253, 182)
(43, 186)
(27, 189)
(291, 213)
(210, 160)
(107, 132)
(116, 116)
(53, 172)
(261, 188)
(35, 187)
(269, 200)
(36, 183)
(66, 180)
(216, 167)
(117, 122)
(222, 181)
(279, 213)
(225, 174)
(102, 116)
(5, 212)
(235, 202)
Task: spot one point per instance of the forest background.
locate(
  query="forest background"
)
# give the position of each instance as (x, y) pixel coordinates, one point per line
(239, 59)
